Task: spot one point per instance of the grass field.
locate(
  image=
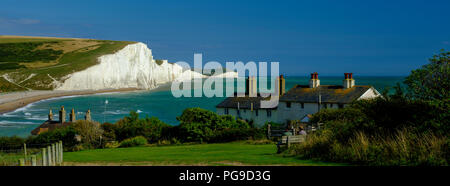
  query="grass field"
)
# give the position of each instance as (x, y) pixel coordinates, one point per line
(37, 62)
(236, 153)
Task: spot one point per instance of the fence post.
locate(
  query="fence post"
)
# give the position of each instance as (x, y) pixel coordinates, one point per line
(44, 157)
(57, 153)
(21, 162)
(53, 155)
(61, 156)
(49, 152)
(33, 160)
(25, 151)
(288, 142)
(58, 146)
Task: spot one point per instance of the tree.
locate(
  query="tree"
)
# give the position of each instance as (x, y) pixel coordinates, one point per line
(431, 81)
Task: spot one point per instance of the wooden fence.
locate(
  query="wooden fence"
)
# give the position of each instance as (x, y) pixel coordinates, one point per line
(45, 155)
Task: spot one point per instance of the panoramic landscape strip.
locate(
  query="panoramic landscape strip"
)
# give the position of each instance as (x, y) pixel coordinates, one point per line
(239, 92)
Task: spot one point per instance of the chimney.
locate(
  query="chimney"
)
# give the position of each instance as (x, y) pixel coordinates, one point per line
(62, 115)
(314, 82)
(88, 115)
(72, 116)
(282, 85)
(50, 115)
(251, 87)
(349, 82)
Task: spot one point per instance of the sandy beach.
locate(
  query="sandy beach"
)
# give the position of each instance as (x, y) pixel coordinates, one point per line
(14, 100)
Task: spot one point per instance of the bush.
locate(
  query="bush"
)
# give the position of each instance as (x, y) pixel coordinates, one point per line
(113, 144)
(134, 142)
(66, 135)
(403, 147)
(131, 126)
(11, 142)
(90, 133)
(384, 116)
(228, 135)
(109, 130)
(200, 125)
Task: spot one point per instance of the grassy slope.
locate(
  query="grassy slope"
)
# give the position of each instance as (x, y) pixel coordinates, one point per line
(69, 62)
(236, 153)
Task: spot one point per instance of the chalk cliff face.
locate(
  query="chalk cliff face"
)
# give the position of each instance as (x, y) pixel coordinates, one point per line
(131, 67)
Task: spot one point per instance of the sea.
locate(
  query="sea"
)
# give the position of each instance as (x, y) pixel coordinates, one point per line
(110, 107)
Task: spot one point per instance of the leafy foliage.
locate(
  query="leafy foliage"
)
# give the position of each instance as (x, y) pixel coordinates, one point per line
(432, 81)
(67, 135)
(201, 125)
(131, 126)
(407, 128)
(89, 132)
(134, 142)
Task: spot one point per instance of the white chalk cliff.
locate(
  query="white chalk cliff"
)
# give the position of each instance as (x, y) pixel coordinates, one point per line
(131, 67)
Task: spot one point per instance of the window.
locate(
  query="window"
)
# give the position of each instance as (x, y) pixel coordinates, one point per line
(288, 104)
(325, 105)
(303, 105)
(239, 113)
(226, 111)
(256, 112)
(269, 113)
(331, 105)
(340, 105)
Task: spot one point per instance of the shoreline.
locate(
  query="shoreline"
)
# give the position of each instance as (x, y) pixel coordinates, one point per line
(15, 100)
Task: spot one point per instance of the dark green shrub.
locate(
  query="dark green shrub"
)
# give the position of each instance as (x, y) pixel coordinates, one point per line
(134, 142)
(200, 125)
(109, 131)
(237, 134)
(66, 135)
(131, 126)
(13, 142)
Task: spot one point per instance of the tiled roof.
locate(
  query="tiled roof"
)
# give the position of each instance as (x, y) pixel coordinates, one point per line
(328, 94)
(303, 94)
(49, 126)
(243, 102)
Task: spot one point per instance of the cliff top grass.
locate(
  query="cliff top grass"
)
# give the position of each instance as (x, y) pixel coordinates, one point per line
(36, 62)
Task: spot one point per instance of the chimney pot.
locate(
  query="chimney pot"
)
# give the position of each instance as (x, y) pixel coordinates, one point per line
(349, 82)
(314, 81)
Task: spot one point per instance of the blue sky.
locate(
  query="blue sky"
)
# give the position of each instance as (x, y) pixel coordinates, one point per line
(330, 37)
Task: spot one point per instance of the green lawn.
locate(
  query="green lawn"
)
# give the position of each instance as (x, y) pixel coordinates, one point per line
(236, 153)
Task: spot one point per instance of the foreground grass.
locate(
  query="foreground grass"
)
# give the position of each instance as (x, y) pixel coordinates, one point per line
(236, 153)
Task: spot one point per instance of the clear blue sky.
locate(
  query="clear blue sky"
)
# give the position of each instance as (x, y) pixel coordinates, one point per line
(330, 37)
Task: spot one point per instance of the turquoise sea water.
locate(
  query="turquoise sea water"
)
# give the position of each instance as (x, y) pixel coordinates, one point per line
(160, 104)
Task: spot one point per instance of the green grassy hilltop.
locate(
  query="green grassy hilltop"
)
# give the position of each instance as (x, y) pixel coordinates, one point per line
(35, 62)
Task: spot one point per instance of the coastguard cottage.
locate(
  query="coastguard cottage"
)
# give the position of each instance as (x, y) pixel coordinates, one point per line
(51, 124)
(299, 103)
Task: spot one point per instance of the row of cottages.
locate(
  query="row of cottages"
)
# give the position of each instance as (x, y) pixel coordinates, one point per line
(51, 124)
(299, 103)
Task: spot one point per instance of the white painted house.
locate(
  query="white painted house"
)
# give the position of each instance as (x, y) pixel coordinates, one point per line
(296, 104)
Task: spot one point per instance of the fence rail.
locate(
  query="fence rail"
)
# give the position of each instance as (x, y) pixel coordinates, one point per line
(32, 155)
